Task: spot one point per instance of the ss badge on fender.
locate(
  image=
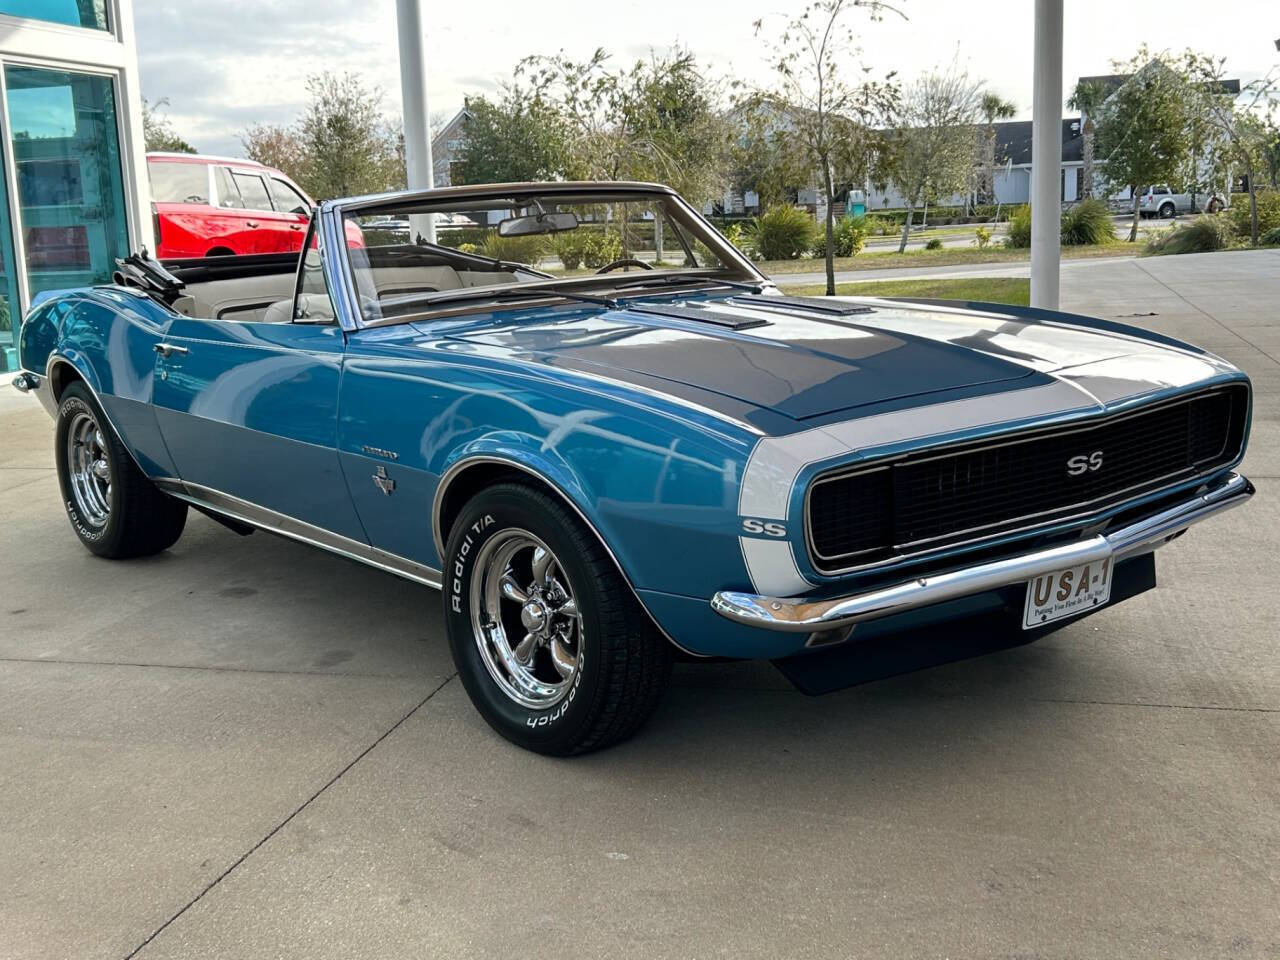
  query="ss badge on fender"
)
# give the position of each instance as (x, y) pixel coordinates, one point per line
(771, 528)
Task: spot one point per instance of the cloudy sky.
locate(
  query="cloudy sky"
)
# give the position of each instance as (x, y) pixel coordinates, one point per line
(226, 65)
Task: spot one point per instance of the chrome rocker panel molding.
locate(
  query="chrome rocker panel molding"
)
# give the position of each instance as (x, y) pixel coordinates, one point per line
(798, 615)
(228, 506)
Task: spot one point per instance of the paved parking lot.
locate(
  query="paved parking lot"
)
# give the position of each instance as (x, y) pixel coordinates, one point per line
(246, 748)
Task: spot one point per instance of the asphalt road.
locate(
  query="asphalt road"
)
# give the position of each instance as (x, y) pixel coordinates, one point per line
(246, 748)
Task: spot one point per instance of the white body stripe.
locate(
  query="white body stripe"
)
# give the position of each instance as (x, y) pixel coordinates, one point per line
(775, 463)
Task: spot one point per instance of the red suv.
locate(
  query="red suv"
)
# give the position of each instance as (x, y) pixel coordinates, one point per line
(216, 206)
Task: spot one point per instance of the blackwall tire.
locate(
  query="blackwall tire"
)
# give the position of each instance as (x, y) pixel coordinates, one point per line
(113, 508)
(551, 645)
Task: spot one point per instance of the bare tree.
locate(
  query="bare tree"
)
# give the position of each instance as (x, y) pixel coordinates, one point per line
(278, 147)
(1238, 121)
(931, 148)
(835, 119)
(158, 132)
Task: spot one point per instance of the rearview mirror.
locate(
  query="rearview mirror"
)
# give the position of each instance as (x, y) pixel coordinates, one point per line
(537, 223)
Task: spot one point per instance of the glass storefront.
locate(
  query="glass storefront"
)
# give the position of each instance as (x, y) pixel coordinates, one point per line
(76, 13)
(72, 198)
(66, 149)
(10, 310)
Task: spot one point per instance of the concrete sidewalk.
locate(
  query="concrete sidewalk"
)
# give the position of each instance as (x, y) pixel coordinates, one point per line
(248, 748)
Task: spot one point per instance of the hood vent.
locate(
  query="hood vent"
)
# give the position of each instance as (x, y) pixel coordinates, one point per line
(699, 315)
(812, 304)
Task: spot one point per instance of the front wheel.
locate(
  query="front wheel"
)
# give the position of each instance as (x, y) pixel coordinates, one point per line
(114, 509)
(552, 647)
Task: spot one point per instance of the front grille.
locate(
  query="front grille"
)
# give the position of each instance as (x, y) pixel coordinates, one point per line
(933, 498)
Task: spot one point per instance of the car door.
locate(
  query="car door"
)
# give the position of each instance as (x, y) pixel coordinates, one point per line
(267, 230)
(249, 413)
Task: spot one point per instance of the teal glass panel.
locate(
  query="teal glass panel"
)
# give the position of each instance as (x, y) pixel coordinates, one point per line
(77, 13)
(66, 147)
(10, 312)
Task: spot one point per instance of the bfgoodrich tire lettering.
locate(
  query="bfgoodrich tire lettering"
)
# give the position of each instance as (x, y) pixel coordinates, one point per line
(611, 664)
(113, 508)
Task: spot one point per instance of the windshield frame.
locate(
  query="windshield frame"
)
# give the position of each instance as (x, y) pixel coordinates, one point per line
(735, 265)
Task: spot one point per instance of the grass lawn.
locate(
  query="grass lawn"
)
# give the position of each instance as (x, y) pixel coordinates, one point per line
(1015, 290)
(941, 258)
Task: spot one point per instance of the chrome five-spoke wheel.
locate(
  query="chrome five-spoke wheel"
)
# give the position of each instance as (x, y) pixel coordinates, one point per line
(89, 470)
(525, 619)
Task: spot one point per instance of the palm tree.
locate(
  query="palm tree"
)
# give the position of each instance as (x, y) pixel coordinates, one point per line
(992, 108)
(1087, 98)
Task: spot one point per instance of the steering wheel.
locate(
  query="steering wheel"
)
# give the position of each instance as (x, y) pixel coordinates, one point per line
(624, 262)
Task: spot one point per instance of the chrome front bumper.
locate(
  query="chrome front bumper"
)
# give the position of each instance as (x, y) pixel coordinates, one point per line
(798, 615)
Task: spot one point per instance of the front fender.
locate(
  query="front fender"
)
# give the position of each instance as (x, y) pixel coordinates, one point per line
(670, 519)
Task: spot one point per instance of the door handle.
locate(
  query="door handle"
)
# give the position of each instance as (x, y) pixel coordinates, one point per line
(251, 223)
(169, 349)
(295, 226)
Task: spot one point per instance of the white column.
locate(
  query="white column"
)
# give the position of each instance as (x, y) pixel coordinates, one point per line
(419, 171)
(1046, 155)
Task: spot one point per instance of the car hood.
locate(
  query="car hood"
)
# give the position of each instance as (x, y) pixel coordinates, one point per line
(808, 359)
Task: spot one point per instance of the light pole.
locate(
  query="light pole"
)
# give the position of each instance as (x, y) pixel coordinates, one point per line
(1046, 155)
(419, 172)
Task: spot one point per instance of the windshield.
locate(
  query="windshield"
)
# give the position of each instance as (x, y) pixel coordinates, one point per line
(590, 241)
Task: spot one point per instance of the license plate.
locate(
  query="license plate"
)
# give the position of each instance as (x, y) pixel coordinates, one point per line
(1065, 593)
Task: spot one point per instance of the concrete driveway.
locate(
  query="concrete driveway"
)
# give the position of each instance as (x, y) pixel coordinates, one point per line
(246, 748)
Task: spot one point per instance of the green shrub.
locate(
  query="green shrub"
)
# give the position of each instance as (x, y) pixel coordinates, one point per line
(468, 248)
(1019, 228)
(456, 236)
(1268, 213)
(734, 234)
(783, 233)
(933, 243)
(1202, 235)
(527, 250)
(847, 238)
(570, 247)
(1087, 223)
(982, 237)
(601, 249)
(1271, 237)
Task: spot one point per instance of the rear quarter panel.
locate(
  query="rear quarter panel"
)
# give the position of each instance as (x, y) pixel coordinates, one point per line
(108, 335)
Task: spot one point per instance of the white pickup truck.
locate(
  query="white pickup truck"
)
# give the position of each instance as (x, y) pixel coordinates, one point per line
(1160, 201)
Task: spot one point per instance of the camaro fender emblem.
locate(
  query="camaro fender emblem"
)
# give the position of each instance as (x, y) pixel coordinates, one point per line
(379, 452)
(383, 482)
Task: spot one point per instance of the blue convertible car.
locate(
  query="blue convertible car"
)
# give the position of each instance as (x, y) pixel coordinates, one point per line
(606, 467)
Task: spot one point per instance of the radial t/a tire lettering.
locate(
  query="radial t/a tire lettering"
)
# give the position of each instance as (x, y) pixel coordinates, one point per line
(551, 645)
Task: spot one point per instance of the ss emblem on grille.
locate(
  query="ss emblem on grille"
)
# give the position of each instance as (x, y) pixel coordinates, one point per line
(1085, 463)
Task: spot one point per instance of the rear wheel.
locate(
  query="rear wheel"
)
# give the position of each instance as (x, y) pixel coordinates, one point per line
(1167, 211)
(551, 645)
(114, 509)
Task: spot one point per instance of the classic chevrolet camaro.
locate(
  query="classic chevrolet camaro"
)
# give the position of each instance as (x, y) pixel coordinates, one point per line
(604, 469)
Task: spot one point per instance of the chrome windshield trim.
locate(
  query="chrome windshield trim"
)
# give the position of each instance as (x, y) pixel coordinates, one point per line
(1082, 510)
(800, 615)
(272, 521)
